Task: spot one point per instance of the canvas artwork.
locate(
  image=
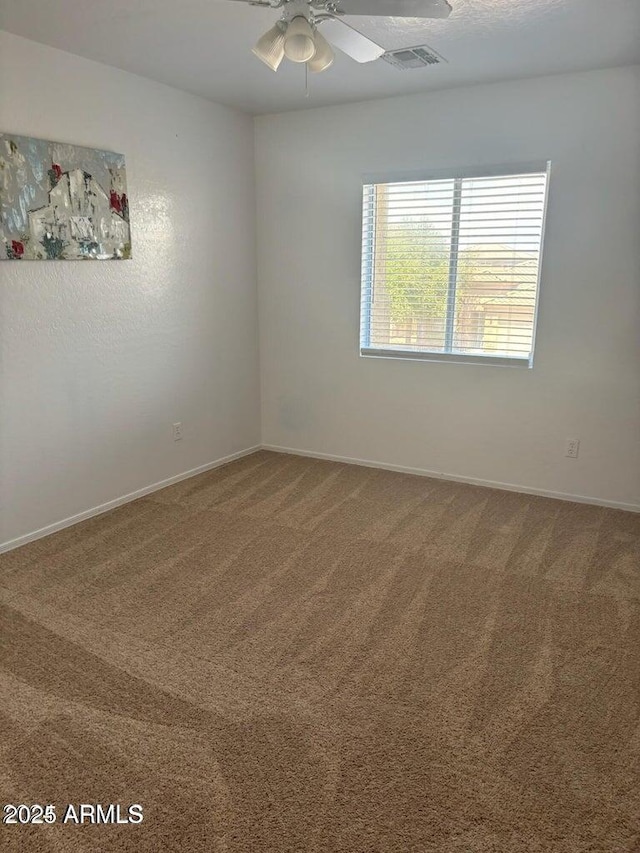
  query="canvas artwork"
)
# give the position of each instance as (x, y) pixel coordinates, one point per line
(61, 202)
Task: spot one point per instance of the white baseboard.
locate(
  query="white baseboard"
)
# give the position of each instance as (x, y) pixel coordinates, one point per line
(368, 463)
(132, 496)
(440, 475)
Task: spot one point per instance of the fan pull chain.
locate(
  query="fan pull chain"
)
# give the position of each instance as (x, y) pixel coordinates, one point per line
(306, 80)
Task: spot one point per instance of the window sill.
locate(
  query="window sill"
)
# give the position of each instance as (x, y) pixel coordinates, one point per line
(452, 357)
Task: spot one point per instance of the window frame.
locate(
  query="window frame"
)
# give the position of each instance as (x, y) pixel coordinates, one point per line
(368, 249)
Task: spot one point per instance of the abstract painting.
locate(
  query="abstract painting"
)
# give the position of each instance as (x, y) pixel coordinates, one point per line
(61, 202)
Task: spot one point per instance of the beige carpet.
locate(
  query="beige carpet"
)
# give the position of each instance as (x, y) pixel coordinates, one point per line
(287, 654)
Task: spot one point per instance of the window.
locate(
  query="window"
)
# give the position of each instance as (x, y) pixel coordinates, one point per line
(450, 267)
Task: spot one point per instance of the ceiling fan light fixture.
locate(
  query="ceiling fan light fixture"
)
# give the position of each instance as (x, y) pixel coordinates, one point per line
(323, 57)
(299, 44)
(270, 47)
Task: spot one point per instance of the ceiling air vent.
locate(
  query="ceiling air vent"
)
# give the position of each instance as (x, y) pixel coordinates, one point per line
(412, 57)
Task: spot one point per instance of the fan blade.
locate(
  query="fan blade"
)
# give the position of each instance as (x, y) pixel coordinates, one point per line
(395, 8)
(350, 41)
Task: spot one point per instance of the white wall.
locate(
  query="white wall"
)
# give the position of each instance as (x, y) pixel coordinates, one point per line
(497, 424)
(100, 358)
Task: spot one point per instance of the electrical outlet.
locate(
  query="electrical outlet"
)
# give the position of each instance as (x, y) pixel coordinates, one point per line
(572, 448)
(177, 432)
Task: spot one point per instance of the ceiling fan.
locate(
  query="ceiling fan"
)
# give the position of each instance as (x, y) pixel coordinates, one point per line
(297, 37)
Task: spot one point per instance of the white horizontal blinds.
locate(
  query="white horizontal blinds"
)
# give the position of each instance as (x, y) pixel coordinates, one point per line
(451, 266)
(411, 226)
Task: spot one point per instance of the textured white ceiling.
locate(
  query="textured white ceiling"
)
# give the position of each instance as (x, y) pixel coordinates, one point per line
(203, 46)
